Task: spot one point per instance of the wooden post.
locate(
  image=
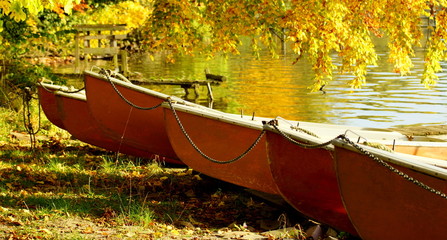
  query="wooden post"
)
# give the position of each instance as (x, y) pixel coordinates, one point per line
(77, 54)
(210, 91)
(87, 41)
(114, 44)
(124, 66)
(99, 40)
(196, 87)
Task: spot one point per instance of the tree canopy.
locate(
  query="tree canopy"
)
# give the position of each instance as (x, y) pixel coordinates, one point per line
(315, 29)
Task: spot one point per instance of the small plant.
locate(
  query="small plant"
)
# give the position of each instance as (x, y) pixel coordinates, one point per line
(137, 213)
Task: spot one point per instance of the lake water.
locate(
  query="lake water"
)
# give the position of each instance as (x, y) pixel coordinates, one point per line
(275, 87)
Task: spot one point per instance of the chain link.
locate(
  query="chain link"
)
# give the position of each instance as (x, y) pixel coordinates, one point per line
(303, 145)
(393, 169)
(364, 152)
(200, 151)
(27, 97)
(107, 75)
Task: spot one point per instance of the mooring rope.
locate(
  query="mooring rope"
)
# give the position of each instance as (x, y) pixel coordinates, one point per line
(297, 127)
(107, 75)
(242, 155)
(391, 168)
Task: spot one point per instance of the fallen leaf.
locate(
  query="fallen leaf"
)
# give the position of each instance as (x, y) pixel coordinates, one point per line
(197, 177)
(88, 230)
(45, 230)
(14, 221)
(163, 178)
(3, 209)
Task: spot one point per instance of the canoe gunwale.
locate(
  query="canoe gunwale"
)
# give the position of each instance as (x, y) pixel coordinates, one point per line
(299, 136)
(52, 87)
(404, 160)
(368, 134)
(78, 96)
(63, 91)
(215, 115)
(131, 86)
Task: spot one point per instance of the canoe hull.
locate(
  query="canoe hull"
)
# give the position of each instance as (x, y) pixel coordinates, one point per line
(79, 123)
(142, 129)
(306, 179)
(383, 205)
(47, 101)
(221, 141)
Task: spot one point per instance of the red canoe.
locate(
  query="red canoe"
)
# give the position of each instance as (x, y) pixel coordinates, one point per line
(117, 106)
(47, 101)
(226, 145)
(306, 177)
(382, 204)
(76, 118)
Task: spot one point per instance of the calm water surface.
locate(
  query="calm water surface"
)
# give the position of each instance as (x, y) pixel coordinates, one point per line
(274, 87)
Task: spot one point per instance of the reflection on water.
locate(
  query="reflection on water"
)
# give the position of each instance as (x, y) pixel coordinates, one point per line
(274, 87)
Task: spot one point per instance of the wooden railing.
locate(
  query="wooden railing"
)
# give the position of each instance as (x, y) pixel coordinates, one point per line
(100, 40)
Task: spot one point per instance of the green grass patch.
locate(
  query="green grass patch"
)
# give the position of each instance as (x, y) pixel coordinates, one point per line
(65, 189)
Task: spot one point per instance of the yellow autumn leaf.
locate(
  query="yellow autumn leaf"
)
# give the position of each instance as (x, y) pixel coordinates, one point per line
(163, 178)
(88, 230)
(3, 209)
(197, 177)
(44, 230)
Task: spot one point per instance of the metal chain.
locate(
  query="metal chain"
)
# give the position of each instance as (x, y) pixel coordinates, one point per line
(303, 145)
(202, 153)
(105, 73)
(393, 169)
(27, 97)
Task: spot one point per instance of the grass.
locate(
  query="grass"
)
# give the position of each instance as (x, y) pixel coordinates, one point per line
(48, 188)
(65, 189)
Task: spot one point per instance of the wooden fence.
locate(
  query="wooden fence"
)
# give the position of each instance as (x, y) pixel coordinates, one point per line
(100, 40)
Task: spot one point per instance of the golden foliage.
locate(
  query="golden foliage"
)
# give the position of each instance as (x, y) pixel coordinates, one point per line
(16, 8)
(316, 29)
(132, 13)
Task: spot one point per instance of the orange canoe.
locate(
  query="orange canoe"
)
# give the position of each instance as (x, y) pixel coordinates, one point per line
(129, 114)
(76, 118)
(392, 195)
(223, 146)
(305, 173)
(306, 179)
(47, 101)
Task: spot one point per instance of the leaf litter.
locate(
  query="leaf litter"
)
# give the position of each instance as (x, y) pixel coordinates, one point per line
(65, 189)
